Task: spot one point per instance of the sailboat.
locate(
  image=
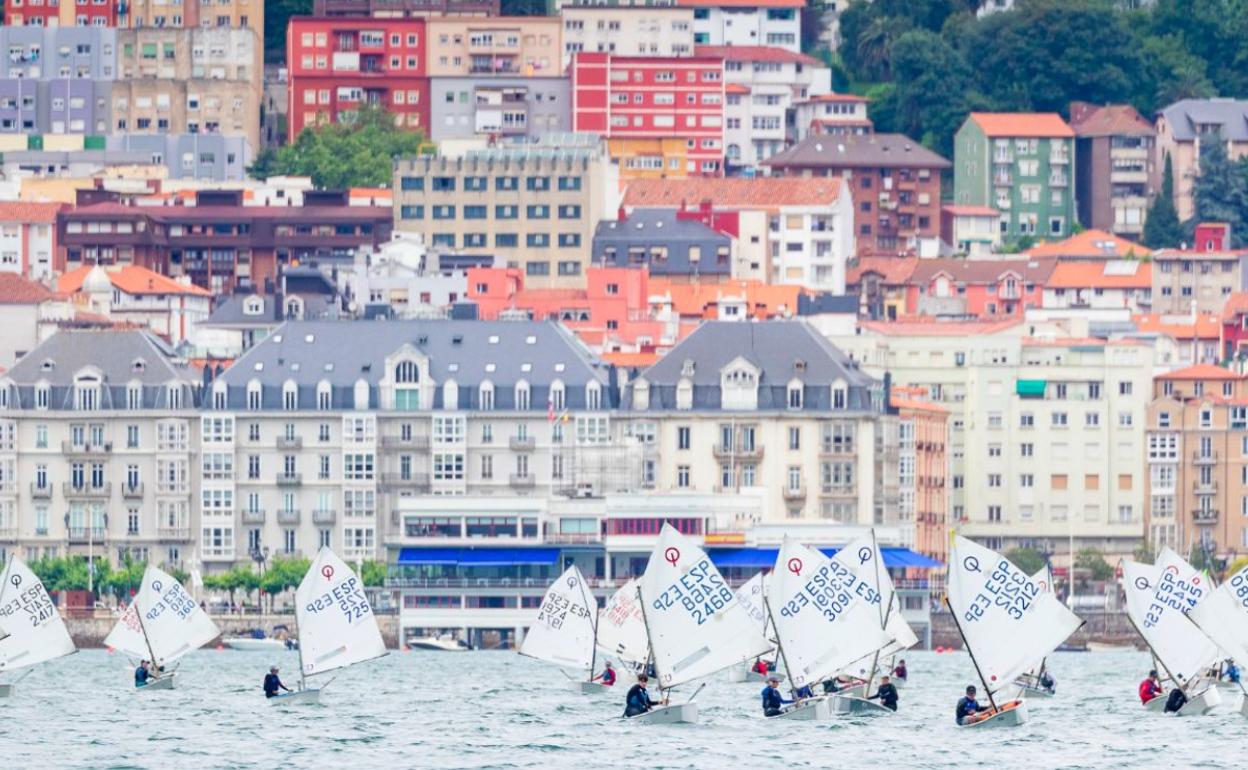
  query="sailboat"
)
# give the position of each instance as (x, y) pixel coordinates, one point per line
(334, 623)
(622, 628)
(1223, 616)
(565, 631)
(162, 624)
(1029, 684)
(750, 595)
(825, 618)
(864, 558)
(695, 624)
(1006, 622)
(1158, 600)
(31, 630)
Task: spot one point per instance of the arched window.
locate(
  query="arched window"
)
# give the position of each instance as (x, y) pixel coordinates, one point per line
(522, 395)
(485, 396)
(406, 372)
(290, 395)
(406, 386)
(324, 396)
(360, 396)
(87, 392)
(450, 395)
(558, 396)
(254, 392)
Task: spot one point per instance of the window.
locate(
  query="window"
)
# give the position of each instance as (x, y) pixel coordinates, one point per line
(795, 437)
(682, 437)
(682, 476)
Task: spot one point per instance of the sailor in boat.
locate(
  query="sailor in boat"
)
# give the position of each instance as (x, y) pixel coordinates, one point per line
(773, 702)
(760, 667)
(607, 677)
(273, 683)
(1151, 687)
(899, 670)
(1047, 681)
(142, 674)
(1232, 672)
(804, 692)
(1176, 701)
(968, 707)
(886, 694)
(638, 701)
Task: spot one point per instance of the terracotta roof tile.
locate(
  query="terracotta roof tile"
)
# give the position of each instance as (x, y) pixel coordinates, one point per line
(762, 301)
(1206, 326)
(755, 53)
(16, 290)
(736, 88)
(1108, 120)
(1090, 244)
(1201, 372)
(731, 193)
(1022, 124)
(132, 279)
(24, 211)
(977, 271)
(1236, 305)
(894, 270)
(1115, 274)
(937, 328)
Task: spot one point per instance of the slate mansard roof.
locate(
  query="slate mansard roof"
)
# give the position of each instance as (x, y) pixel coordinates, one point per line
(782, 351)
(342, 353)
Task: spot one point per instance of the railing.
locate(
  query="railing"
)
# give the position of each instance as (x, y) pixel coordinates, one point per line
(739, 451)
(291, 442)
(1204, 458)
(412, 480)
(289, 479)
(520, 443)
(86, 534)
(574, 539)
(70, 448)
(288, 516)
(69, 489)
(525, 481)
(173, 533)
(8, 535)
(40, 492)
(414, 441)
(253, 517)
(132, 490)
(1205, 487)
(324, 516)
(1207, 516)
(844, 450)
(795, 493)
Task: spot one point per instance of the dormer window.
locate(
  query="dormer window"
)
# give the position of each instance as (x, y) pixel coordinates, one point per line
(219, 395)
(795, 392)
(138, 365)
(593, 396)
(450, 395)
(684, 394)
(324, 396)
(485, 396)
(175, 396)
(48, 365)
(522, 395)
(558, 396)
(840, 395)
(87, 393)
(253, 306)
(41, 396)
(290, 396)
(294, 308)
(406, 390)
(134, 396)
(254, 394)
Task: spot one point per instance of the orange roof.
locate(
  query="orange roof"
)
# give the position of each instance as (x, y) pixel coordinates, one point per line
(21, 211)
(700, 299)
(1201, 372)
(1236, 304)
(1101, 275)
(1022, 124)
(132, 279)
(895, 270)
(1065, 342)
(731, 193)
(971, 211)
(16, 290)
(1206, 326)
(937, 328)
(736, 88)
(1090, 244)
(639, 360)
(912, 398)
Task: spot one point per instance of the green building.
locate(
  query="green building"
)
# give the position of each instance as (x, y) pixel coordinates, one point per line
(1023, 165)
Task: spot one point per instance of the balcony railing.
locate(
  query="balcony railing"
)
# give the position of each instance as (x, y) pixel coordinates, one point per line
(400, 481)
(288, 516)
(1208, 516)
(71, 448)
(70, 489)
(40, 492)
(414, 441)
(842, 450)
(1205, 487)
(324, 516)
(8, 534)
(289, 442)
(795, 493)
(1204, 458)
(740, 451)
(253, 517)
(521, 443)
(289, 479)
(86, 534)
(525, 481)
(173, 533)
(129, 490)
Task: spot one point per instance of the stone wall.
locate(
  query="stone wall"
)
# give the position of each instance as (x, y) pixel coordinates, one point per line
(90, 632)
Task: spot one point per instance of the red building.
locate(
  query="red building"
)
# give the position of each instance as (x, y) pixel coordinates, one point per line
(662, 117)
(67, 13)
(338, 65)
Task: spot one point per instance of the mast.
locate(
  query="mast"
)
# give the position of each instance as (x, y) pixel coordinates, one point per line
(645, 620)
(303, 680)
(884, 614)
(788, 670)
(971, 652)
(590, 601)
(1177, 682)
(138, 614)
(4, 583)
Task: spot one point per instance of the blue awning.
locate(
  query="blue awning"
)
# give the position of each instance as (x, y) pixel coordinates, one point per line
(477, 557)
(765, 558)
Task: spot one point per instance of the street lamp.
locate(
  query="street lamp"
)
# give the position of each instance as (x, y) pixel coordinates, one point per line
(260, 556)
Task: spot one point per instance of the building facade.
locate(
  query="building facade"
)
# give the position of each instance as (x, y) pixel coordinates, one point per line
(499, 107)
(510, 46)
(1180, 128)
(28, 238)
(97, 15)
(665, 244)
(386, 9)
(830, 114)
(753, 22)
(1186, 281)
(1021, 164)
(626, 30)
(1116, 173)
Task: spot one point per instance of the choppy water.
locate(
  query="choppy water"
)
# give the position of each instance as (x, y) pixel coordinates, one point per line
(498, 710)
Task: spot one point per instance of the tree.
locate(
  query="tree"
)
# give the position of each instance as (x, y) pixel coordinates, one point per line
(1162, 228)
(283, 574)
(357, 153)
(373, 573)
(1093, 560)
(277, 15)
(933, 89)
(1220, 190)
(1029, 560)
(1144, 553)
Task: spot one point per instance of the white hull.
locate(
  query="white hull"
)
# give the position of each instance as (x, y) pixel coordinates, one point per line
(1201, 703)
(1105, 647)
(679, 713)
(808, 710)
(1157, 704)
(1243, 706)
(852, 704)
(246, 644)
(1012, 717)
(164, 683)
(437, 645)
(590, 688)
(1034, 691)
(6, 690)
(312, 695)
(853, 691)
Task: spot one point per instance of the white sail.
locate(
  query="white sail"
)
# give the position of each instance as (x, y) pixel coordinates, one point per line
(563, 632)
(622, 626)
(31, 630)
(866, 553)
(696, 624)
(337, 627)
(1223, 616)
(750, 596)
(826, 617)
(127, 635)
(173, 622)
(1043, 578)
(1158, 598)
(1008, 622)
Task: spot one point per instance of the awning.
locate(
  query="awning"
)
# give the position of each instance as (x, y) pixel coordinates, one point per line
(1031, 388)
(765, 558)
(477, 557)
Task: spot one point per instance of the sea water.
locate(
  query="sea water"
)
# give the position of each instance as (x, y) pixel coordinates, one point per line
(499, 710)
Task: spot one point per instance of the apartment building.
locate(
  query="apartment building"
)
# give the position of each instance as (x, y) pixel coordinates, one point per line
(499, 107)
(829, 114)
(327, 432)
(768, 409)
(971, 231)
(1106, 285)
(205, 13)
(922, 471)
(961, 288)
(339, 65)
(140, 298)
(1198, 461)
(514, 46)
(188, 81)
(662, 117)
(893, 180)
(1187, 280)
(389, 9)
(626, 30)
(1182, 125)
(57, 80)
(96, 449)
(665, 243)
(761, 86)
(28, 238)
(50, 14)
(533, 207)
(1116, 172)
(808, 236)
(750, 22)
(1046, 432)
(1022, 165)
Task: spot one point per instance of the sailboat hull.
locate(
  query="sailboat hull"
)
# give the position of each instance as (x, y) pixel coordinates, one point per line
(1243, 706)
(298, 697)
(810, 710)
(1011, 715)
(1157, 704)
(679, 713)
(1034, 691)
(163, 683)
(851, 704)
(590, 688)
(1201, 703)
(853, 691)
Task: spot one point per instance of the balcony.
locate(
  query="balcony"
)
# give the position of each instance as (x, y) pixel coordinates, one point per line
(288, 516)
(253, 517)
(324, 516)
(396, 481)
(8, 534)
(1059, 155)
(1205, 487)
(740, 451)
(1058, 180)
(525, 481)
(173, 534)
(70, 448)
(795, 493)
(86, 534)
(1204, 458)
(1002, 179)
(40, 492)
(522, 443)
(837, 450)
(289, 442)
(289, 479)
(1207, 516)
(70, 489)
(1002, 156)
(132, 491)
(413, 441)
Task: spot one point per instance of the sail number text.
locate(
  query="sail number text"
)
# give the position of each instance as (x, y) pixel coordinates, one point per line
(701, 591)
(175, 600)
(556, 609)
(346, 596)
(832, 590)
(1007, 587)
(34, 602)
(1171, 593)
